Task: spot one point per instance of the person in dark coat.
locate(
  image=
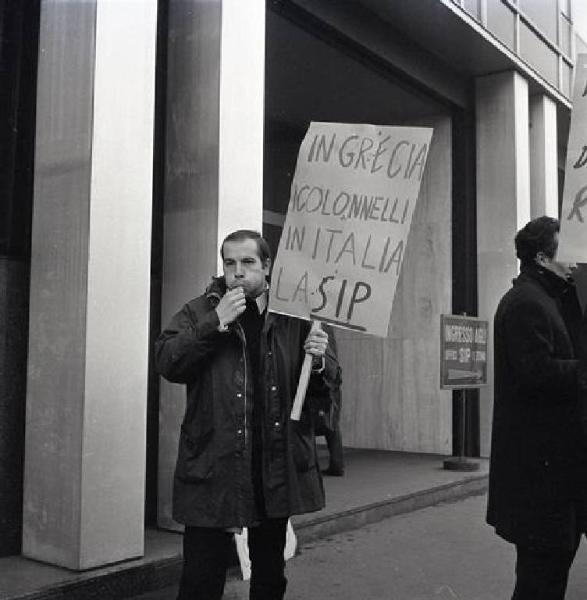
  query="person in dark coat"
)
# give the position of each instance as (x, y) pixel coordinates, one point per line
(241, 461)
(538, 474)
(327, 424)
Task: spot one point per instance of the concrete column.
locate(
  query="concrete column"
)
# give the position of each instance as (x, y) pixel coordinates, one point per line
(543, 157)
(89, 298)
(503, 199)
(214, 165)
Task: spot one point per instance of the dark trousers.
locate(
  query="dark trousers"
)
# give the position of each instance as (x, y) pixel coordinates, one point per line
(205, 559)
(542, 574)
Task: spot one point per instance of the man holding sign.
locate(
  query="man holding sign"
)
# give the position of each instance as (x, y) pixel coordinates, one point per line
(241, 461)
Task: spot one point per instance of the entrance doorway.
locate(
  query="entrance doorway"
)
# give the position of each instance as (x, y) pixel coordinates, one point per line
(391, 395)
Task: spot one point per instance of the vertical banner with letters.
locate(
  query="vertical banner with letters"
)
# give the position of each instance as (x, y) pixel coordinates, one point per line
(573, 235)
(352, 199)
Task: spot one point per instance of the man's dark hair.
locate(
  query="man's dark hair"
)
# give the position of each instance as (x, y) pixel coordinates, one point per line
(537, 236)
(263, 249)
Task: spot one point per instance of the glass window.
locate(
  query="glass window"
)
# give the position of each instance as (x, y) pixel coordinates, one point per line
(472, 7)
(566, 36)
(538, 55)
(501, 22)
(543, 14)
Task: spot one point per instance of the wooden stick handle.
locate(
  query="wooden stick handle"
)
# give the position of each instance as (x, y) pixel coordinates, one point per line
(298, 403)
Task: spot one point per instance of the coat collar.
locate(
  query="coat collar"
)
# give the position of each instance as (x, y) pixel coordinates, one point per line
(553, 284)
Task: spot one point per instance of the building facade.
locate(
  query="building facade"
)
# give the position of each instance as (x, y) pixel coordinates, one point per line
(136, 134)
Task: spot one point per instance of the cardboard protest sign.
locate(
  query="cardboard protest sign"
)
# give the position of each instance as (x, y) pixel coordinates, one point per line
(463, 352)
(344, 238)
(573, 234)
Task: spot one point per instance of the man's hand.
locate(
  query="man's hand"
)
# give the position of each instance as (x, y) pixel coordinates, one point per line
(316, 342)
(231, 305)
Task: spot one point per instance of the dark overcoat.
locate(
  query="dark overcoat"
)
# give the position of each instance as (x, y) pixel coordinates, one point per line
(213, 481)
(537, 475)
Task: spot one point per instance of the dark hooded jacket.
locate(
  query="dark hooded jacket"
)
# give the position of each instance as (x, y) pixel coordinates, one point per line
(213, 482)
(538, 474)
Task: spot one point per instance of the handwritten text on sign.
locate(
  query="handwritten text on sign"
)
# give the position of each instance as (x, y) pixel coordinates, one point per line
(350, 210)
(573, 236)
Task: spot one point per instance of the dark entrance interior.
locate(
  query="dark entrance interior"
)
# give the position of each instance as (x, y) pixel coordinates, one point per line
(313, 72)
(19, 35)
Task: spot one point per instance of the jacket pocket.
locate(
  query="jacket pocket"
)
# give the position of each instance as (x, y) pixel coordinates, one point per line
(195, 458)
(303, 450)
